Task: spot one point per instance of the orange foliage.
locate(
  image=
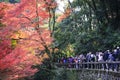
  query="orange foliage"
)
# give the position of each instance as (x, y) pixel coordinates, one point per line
(64, 15)
(21, 21)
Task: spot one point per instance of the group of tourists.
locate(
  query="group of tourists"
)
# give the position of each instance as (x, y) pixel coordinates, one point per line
(106, 56)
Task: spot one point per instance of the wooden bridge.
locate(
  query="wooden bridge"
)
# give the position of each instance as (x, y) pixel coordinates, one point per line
(109, 69)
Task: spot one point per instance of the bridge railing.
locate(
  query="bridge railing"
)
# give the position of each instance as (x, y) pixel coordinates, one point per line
(109, 66)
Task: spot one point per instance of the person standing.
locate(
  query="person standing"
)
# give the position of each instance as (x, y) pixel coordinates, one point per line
(100, 59)
(118, 53)
(111, 58)
(105, 58)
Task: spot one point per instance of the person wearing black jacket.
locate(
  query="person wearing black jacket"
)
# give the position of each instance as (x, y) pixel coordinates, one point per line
(105, 58)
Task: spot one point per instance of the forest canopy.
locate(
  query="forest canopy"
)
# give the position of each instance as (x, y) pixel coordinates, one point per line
(35, 33)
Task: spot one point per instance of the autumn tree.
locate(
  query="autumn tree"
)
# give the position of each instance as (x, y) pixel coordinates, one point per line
(22, 38)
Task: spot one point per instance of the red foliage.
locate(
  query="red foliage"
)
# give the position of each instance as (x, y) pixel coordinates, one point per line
(64, 15)
(20, 21)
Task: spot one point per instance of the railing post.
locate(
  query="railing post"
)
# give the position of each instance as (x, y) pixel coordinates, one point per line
(114, 66)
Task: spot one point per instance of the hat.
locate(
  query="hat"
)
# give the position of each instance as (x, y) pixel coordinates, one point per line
(118, 47)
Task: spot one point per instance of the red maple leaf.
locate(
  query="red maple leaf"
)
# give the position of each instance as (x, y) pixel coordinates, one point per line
(21, 25)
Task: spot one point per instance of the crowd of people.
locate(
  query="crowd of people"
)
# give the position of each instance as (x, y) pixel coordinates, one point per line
(106, 56)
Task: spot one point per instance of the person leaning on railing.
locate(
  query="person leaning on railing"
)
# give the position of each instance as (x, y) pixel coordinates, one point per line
(118, 53)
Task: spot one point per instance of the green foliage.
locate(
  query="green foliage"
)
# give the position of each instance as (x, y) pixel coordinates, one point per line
(11, 1)
(92, 26)
(64, 74)
(13, 43)
(1, 25)
(46, 71)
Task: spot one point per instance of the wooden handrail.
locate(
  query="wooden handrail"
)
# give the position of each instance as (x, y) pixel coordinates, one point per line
(109, 65)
